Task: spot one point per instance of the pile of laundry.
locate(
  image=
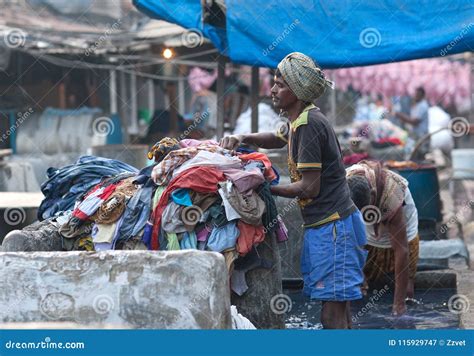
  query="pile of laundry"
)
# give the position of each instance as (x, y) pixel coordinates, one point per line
(196, 195)
(381, 133)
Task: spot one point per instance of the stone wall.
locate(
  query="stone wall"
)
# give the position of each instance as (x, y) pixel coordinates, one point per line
(135, 289)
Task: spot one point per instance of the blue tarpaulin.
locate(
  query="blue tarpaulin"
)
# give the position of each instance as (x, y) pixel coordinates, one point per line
(186, 13)
(336, 34)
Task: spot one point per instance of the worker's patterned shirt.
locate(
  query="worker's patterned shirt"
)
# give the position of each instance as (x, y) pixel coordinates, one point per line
(312, 144)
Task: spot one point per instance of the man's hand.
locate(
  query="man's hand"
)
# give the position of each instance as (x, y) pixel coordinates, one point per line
(231, 142)
(399, 309)
(398, 236)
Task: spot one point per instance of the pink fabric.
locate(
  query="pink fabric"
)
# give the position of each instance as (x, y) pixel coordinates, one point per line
(245, 181)
(281, 231)
(189, 142)
(445, 82)
(203, 234)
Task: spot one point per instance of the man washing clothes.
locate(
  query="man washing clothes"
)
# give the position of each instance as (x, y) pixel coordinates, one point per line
(333, 252)
(392, 227)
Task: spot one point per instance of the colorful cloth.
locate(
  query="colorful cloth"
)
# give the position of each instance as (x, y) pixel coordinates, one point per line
(68, 184)
(173, 242)
(381, 261)
(162, 148)
(189, 142)
(199, 179)
(249, 236)
(182, 197)
(224, 162)
(163, 171)
(93, 201)
(249, 208)
(245, 181)
(223, 238)
(281, 231)
(378, 130)
(111, 210)
(137, 212)
(258, 156)
(189, 241)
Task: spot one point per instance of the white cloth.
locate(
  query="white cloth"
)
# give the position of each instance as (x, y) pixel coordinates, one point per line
(239, 321)
(206, 158)
(411, 219)
(103, 233)
(230, 212)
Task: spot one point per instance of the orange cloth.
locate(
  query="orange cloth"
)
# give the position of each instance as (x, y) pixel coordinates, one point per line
(249, 236)
(258, 156)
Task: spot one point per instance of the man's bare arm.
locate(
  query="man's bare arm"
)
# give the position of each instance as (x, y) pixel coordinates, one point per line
(261, 139)
(307, 187)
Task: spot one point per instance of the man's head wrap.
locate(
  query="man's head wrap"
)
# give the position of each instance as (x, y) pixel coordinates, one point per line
(303, 76)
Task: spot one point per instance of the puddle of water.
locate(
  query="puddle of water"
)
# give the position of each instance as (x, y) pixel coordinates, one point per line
(374, 311)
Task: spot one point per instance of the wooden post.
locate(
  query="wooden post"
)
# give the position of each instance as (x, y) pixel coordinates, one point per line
(124, 114)
(133, 104)
(182, 70)
(151, 96)
(171, 91)
(220, 95)
(113, 92)
(254, 98)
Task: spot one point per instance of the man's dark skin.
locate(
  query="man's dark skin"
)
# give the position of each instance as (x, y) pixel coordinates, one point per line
(404, 287)
(334, 315)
